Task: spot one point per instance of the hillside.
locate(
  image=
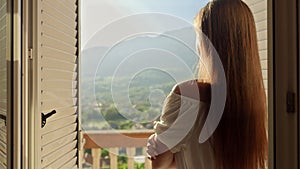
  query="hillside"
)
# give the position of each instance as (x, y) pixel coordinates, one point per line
(125, 84)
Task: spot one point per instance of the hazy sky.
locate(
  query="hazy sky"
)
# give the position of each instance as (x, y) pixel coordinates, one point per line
(98, 13)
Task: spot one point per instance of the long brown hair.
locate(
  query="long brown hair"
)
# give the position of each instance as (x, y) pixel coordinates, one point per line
(240, 140)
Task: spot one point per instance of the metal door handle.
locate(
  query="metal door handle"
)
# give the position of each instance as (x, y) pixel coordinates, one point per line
(3, 117)
(45, 116)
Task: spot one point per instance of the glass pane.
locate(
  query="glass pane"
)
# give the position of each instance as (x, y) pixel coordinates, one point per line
(4, 35)
(132, 58)
(134, 52)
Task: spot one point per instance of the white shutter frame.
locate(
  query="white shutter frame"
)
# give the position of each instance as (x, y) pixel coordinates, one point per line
(259, 9)
(56, 83)
(3, 84)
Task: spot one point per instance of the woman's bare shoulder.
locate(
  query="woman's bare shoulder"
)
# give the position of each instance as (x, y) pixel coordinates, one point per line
(193, 89)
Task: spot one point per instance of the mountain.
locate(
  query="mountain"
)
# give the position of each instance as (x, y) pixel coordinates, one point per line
(132, 78)
(168, 51)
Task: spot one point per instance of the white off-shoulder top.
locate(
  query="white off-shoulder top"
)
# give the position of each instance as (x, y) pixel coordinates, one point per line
(179, 129)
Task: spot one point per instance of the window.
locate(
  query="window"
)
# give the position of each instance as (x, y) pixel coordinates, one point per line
(126, 68)
(134, 52)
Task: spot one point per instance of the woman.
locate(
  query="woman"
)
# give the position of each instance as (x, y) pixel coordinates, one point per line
(240, 140)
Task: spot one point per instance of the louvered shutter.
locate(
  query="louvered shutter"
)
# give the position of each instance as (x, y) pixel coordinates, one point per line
(57, 82)
(259, 10)
(3, 84)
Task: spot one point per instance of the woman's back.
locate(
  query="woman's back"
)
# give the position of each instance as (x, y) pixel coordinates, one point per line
(225, 28)
(240, 140)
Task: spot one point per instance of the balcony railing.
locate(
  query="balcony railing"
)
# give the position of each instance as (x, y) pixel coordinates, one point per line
(113, 141)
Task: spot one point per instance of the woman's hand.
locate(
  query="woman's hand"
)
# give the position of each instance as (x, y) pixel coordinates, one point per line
(159, 153)
(151, 147)
(155, 147)
(194, 89)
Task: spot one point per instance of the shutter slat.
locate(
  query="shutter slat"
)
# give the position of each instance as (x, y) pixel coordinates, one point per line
(71, 164)
(263, 54)
(55, 125)
(58, 44)
(69, 9)
(67, 111)
(55, 74)
(260, 16)
(57, 154)
(259, 9)
(258, 6)
(262, 45)
(3, 145)
(58, 54)
(48, 149)
(3, 85)
(58, 34)
(2, 20)
(264, 64)
(262, 36)
(261, 26)
(70, 155)
(3, 158)
(3, 64)
(3, 9)
(252, 2)
(56, 94)
(50, 137)
(62, 84)
(266, 84)
(3, 133)
(2, 33)
(2, 111)
(69, 3)
(58, 15)
(57, 64)
(3, 77)
(3, 105)
(2, 165)
(59, 82)
(54, 104)
(265, 74)
(47, 19)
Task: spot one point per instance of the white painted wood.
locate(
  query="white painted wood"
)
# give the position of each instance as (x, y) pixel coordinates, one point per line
(130, 151)
(49, 62)
(47, 106)
(3, 83)
(259, 10)
(58, 54)
(59, 93)
(53, 136)
(63, 84)
(258, 6)
(60, 162)
(70, 164)
(56, 155)
(53, 146)
(52, 126)
(260, 16)
(55, 22)
(262, 25)
(113, 155)
(148, 163)
(253, 2)
(96, 154)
